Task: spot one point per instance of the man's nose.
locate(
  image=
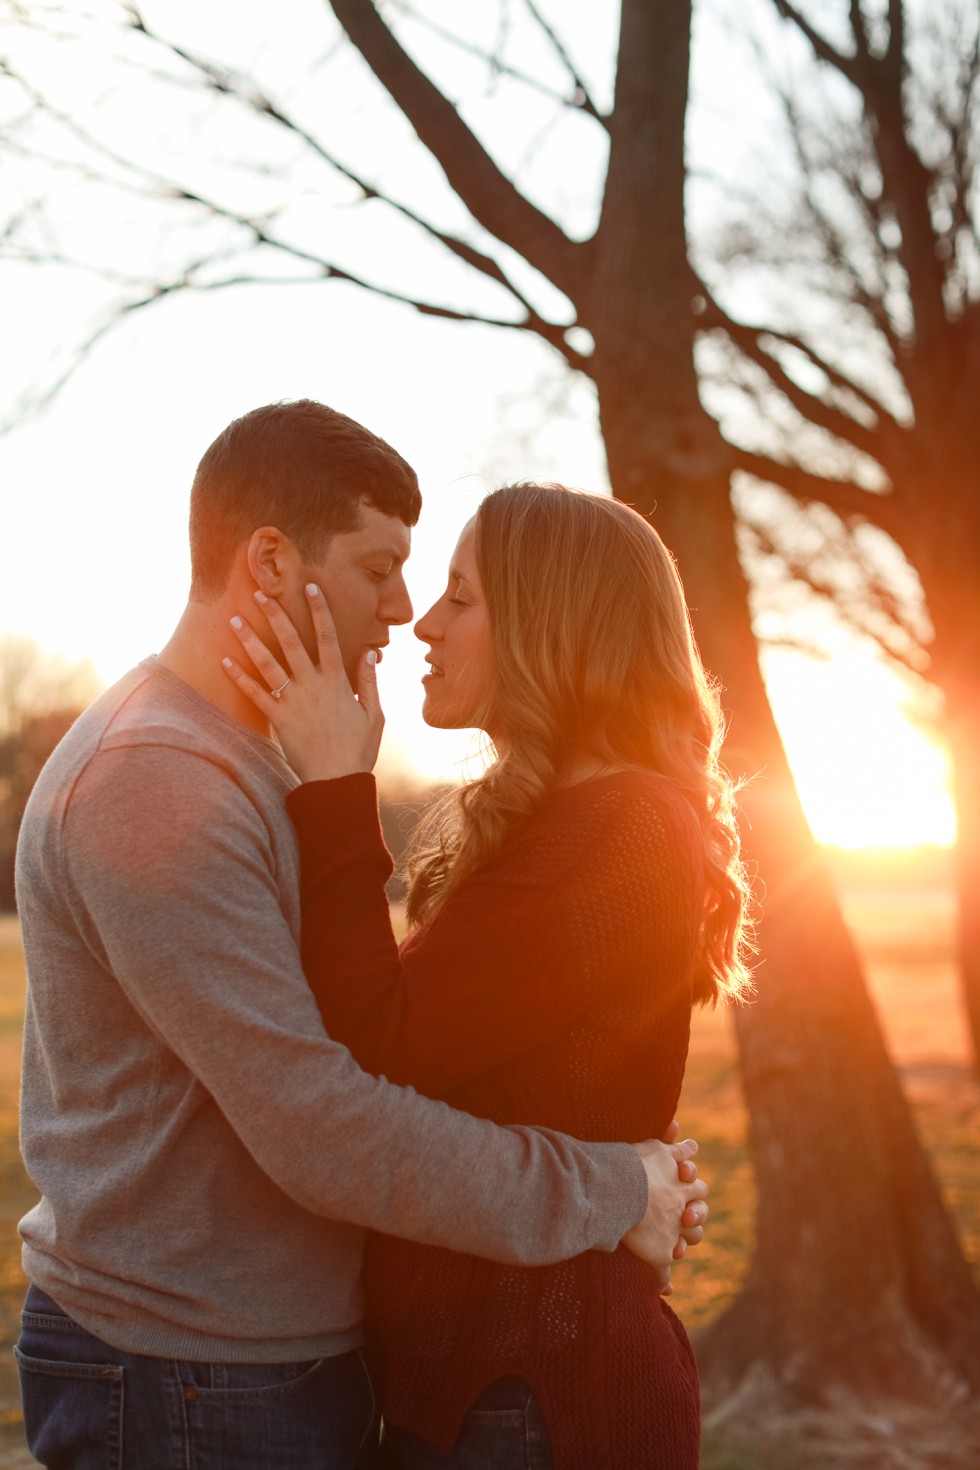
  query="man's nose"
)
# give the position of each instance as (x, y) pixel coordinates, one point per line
(398, 604)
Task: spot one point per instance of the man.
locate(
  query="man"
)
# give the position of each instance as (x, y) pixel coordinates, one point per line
(207, 1157)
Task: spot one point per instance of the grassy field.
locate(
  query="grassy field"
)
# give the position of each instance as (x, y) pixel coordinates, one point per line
(16, 1193)
(903, 924)
(904, 930)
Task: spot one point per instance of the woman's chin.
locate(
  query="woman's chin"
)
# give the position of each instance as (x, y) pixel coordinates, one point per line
(433, 718)
(438, 719)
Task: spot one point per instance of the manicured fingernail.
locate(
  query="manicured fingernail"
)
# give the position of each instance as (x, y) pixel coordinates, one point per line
(259, 596)
(237, 623)
(226, 662)
(312, 590)
(372, 656)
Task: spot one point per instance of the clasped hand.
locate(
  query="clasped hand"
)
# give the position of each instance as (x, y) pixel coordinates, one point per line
(677, 1204)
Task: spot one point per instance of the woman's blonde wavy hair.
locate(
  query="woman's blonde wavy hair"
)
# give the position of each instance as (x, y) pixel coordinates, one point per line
(594, 659)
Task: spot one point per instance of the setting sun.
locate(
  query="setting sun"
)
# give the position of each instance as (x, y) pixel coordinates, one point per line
(868, 775)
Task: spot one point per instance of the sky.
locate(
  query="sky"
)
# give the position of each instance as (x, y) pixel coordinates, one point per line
(95, 491)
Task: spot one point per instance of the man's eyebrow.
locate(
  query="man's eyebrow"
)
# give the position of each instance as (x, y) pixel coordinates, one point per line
(390, 553)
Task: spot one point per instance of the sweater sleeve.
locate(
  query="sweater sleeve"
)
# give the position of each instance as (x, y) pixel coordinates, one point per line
(171, 883)
(578, 904)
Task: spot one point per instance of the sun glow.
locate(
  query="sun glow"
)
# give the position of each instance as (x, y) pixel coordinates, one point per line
(868, 772)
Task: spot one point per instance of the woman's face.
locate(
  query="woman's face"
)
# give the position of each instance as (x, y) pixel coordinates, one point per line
(460, 658)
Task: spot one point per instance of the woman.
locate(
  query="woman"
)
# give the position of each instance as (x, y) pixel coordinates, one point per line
(566, 908)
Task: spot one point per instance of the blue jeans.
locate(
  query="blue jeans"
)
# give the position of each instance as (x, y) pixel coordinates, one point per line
(89, 1405)
(503, 1430)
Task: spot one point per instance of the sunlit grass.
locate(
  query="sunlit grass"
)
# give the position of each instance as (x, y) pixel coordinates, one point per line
(16, 1192)
(904, 929)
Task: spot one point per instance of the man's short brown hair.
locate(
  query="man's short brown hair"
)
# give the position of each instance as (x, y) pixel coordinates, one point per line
(301, 467)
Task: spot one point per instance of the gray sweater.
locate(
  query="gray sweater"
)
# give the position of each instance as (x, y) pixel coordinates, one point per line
(206, 1157)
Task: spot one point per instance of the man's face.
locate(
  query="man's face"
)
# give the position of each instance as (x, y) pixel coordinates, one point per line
(362, 577)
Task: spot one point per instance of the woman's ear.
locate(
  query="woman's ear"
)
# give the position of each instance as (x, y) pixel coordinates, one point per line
(270, 557)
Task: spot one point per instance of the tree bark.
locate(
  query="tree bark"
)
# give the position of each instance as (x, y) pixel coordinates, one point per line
(947, 521)
(952, 589)
(964, 736)
(858, 1285)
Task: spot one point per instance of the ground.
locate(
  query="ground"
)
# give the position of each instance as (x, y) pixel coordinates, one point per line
(903, 920)
(902, 916)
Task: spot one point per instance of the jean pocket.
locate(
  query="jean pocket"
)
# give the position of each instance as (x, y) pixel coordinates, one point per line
(242, 1381)
(504, 1426)
(506, 1395)
(72, 1411)
(284, 1415)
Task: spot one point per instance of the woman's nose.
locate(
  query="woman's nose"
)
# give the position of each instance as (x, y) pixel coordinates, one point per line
(427, 629)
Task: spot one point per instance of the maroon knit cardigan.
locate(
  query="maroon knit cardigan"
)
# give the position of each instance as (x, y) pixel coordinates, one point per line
(553, 989)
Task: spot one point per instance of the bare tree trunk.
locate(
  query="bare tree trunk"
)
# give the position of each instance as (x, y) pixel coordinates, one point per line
(952, 590)
(858, 1282)
(965, 743)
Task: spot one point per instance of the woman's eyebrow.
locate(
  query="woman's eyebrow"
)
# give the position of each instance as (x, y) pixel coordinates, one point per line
(455, 575)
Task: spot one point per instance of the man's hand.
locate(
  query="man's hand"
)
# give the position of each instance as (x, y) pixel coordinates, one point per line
(676, 1205)
(693, 1218)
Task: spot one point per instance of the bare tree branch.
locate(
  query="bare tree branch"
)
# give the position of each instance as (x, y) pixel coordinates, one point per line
(872, 613)
(820, 44)
(128, 174)
(751, 341)
(961, 137)
(818, 226)
(580, 101)
(488, 194)
(583, 99)
(848, 499)
(227, 84)
(907, 184)
(245, 92)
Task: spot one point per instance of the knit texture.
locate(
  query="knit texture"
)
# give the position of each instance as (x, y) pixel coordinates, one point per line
(555, 989)
(203, 1151)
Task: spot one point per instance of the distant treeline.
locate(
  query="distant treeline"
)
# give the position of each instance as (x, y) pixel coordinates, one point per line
(23, 751)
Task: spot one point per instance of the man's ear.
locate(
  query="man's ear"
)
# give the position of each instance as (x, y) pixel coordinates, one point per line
(271, 558)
